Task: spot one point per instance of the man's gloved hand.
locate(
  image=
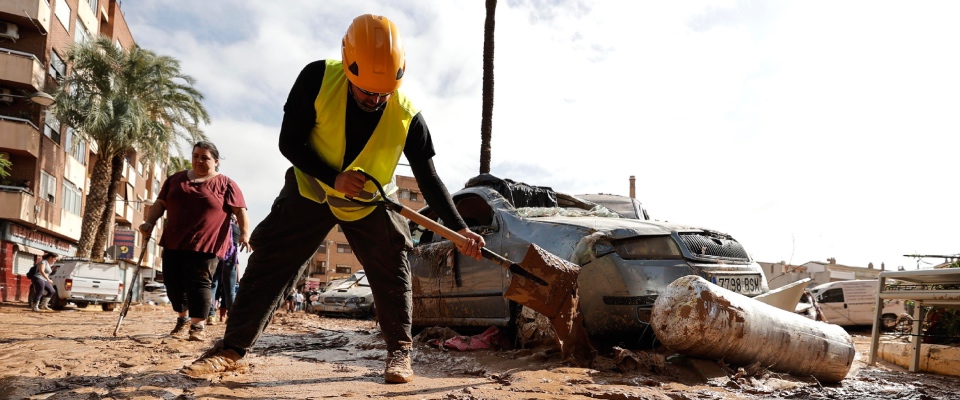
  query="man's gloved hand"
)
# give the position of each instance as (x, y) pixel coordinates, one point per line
(350, 183)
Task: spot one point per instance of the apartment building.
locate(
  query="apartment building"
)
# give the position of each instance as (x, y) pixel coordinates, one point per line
(42, 201)
(335, 259)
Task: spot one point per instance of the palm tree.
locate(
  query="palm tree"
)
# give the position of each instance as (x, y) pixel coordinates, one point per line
(177, 164)
(486, 122)
(122, 101)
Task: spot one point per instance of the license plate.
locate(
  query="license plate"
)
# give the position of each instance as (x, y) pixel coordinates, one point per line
(743, 284)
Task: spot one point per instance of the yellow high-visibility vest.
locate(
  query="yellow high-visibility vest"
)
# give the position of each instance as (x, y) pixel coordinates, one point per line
(378, 158)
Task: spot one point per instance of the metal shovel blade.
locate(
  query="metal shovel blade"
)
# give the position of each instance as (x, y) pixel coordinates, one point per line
(559, 274)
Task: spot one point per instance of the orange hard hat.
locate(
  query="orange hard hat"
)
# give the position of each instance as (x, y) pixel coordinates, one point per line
(373, 56)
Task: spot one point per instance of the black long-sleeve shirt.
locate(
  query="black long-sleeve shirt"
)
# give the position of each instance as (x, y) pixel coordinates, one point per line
(300, 116)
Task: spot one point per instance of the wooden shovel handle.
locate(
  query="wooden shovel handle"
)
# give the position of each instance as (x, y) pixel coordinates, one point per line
(450, 235)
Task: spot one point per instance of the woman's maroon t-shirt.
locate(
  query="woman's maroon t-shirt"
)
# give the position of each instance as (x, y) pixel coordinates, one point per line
(198, 214)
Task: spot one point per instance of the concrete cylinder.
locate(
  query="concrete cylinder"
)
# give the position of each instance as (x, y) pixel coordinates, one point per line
(699, 319)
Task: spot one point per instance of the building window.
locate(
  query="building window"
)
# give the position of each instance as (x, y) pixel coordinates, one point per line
(414, 196)
(344, 269)
(76, 146)
(139, 166)
(138, 205)
(156, 184)
(71, 197)
(93, 6)
(48, 187)
(82, 35)
(51, 127)
(343, 248)
(63, 13)
(58, 69)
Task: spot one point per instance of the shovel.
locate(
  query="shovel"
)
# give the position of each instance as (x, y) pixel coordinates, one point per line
(136, 278)
(542, 281)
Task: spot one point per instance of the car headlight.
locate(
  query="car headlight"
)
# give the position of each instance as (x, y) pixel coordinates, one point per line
(647, 248)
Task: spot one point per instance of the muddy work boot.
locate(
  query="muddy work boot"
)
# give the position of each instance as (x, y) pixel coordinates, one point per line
(196, 333)
(181, 327)
(35, 305)
(398, 367)
(215, 360)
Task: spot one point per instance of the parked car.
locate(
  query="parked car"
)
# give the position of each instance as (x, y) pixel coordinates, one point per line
(351, 297)
(156, 293)
(626, 262)
(84, 282)
(851, 303)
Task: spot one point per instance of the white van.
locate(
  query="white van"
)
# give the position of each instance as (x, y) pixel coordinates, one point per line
(850, 303)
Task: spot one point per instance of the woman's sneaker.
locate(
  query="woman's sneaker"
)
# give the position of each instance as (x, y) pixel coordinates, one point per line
(196, 333)
(181, 327)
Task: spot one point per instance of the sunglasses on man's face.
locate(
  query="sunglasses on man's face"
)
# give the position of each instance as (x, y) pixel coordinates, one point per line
(372, 94)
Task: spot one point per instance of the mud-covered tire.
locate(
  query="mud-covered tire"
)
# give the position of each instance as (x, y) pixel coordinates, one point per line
(108, 306)
(888, 322)
(81, 304)
(56, 302)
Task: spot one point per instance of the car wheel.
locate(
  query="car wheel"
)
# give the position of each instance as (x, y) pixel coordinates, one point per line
(108, 306)
(888, 321)
(56, 302)
(82, 304)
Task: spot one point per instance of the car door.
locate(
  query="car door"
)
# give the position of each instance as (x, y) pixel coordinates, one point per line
(432, 263)
(478, 285)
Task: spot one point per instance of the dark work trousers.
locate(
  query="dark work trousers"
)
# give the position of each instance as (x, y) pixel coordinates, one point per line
(188, 275)
(284, 241)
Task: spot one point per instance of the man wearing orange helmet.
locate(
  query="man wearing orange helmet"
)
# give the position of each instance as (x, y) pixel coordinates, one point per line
(343, 117)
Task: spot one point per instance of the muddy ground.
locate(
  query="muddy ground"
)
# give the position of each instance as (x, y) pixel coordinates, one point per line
(73, 354)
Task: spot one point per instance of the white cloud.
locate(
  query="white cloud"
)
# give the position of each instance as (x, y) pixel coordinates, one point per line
(807, 130)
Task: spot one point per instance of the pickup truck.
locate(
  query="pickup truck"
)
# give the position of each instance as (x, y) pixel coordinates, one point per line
(84, 282)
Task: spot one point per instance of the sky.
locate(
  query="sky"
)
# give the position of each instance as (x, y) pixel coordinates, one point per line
(806, 130)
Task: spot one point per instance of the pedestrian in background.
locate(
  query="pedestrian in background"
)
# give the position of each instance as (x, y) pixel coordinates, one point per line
(39, 275)
(225, 278)
(198, 203)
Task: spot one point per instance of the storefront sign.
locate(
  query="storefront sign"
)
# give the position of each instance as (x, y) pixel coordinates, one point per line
(124, 240)
(29, 237)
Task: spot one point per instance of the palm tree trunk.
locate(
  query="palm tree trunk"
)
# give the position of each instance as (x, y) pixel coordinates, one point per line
(107, 222)
(486, 122)
(96, 202)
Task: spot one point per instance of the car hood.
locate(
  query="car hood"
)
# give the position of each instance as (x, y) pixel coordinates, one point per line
(618, 228)
(356, 291)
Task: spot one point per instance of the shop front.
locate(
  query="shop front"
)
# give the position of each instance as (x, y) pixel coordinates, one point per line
(20, 248)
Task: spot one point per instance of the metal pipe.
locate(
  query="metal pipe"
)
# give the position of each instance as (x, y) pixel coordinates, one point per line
(699, 319)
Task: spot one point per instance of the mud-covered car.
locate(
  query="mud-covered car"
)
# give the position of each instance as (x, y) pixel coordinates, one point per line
(351, 297)
(626, 262)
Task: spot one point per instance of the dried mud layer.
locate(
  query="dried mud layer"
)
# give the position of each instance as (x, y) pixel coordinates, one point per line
(73, 354)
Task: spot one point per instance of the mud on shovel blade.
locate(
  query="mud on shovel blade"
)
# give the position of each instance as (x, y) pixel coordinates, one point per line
(133, 283)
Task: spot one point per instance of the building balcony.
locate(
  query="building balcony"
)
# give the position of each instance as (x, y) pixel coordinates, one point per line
(21, 206)
(18, 11)
(19, 69)
(16, 204)
(19, 136)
